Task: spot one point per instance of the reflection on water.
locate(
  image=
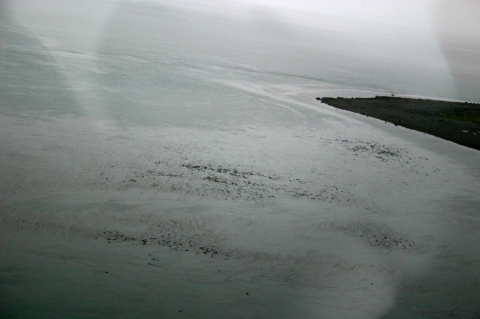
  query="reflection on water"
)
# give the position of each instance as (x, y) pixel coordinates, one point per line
(30, 79)
(458, 32)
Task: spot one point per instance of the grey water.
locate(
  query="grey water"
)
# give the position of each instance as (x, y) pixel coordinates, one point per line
(162, 54)
(148, 56)
(116, 116)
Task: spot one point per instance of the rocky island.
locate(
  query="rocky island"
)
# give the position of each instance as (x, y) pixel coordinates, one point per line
(453, 121)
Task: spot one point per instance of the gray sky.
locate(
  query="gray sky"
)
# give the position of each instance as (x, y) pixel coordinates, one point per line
(457, 16)
(406, 12)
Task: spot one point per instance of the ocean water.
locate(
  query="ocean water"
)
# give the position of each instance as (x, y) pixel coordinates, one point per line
(167, 161)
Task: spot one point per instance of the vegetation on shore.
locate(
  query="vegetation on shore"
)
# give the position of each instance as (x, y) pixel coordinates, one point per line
(458, 122)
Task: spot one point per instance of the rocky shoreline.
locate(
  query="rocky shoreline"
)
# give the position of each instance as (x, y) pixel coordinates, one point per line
(453, 121)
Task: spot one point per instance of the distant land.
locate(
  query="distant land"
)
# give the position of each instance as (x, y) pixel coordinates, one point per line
(453, 121)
